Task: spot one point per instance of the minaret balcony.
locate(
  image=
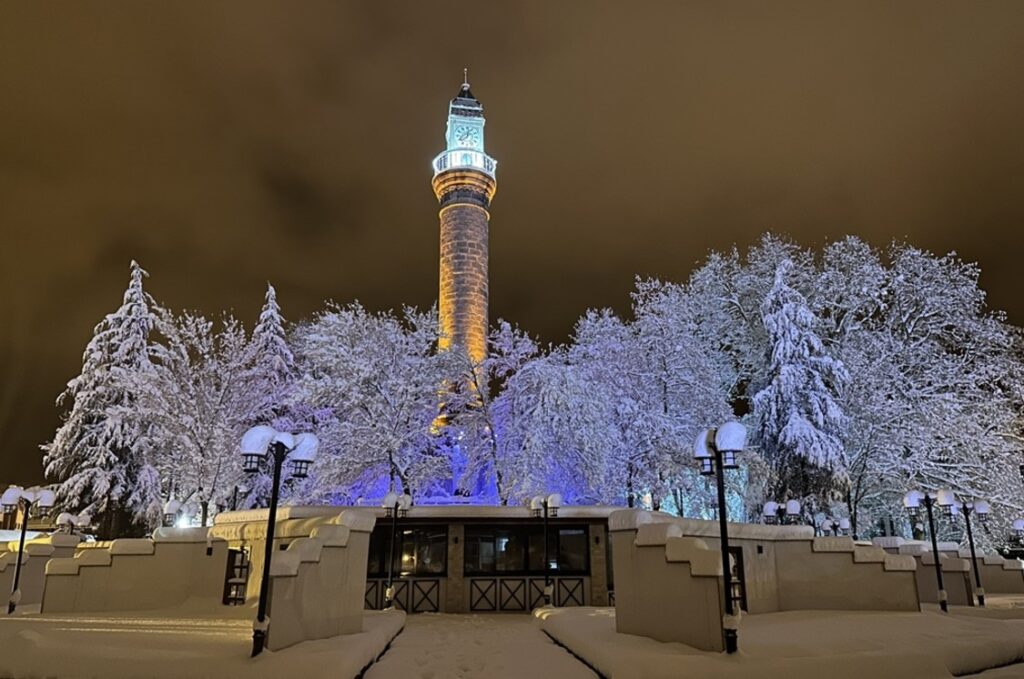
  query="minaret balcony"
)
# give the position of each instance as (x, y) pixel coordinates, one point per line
(465, 159)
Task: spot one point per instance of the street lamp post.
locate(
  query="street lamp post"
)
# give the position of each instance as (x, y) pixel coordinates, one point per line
(948, 501)
(300, 450)
(1018, 532)
(838, 526)
(171, 509)
(395, 506)
(716, 450)
(546, 507)
(912, 501)
(14, 498)
(781, 513)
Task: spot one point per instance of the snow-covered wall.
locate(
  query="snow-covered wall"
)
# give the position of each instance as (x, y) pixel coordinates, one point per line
(139, 574)
(38, 553)
(667, 587)
(665, 567)
(318, 582)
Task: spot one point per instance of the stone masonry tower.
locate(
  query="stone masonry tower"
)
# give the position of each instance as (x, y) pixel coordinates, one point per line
(464, 183)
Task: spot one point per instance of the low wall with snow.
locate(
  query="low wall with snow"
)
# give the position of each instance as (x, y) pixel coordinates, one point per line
(833, 573)
(318, 583)
(999, 575)
(668, 575)
(38, 553)
(956, 575)
(174, 565)
(667, 587)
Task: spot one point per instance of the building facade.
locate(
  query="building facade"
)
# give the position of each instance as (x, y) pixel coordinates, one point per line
(464, 183)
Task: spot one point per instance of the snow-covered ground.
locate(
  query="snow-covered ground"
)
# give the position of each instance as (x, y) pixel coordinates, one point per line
(162, 645)
(804, 644)
(480, 646)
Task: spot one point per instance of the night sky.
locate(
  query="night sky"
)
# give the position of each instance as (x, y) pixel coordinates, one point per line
(227, 144)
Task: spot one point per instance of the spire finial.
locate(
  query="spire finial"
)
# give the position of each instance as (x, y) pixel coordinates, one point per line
(465, 78)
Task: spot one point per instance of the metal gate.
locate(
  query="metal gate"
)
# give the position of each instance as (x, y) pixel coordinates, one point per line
(413, 595)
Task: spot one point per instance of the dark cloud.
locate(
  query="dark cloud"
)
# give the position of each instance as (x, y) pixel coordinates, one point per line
(225, 144)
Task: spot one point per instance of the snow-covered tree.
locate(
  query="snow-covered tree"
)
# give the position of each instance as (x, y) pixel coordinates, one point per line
(382, 379)
(273, 374)
(272, 384)
(200, 400)
(472, 431)
(800, 421)
(100, 456)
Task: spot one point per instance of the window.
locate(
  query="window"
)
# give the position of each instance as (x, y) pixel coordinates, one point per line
(508, 550)
(419, 550)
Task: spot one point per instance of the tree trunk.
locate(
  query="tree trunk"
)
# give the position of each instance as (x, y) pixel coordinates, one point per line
(630, 495)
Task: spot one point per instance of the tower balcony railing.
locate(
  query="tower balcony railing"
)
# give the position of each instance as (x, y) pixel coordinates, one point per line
(464, 159)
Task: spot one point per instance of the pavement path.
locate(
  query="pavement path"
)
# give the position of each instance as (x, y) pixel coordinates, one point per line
(495, 646)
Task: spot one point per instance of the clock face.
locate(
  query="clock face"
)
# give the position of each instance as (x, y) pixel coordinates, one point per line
(467, 135)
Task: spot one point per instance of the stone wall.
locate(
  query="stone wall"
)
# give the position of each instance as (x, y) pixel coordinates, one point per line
(463, 285)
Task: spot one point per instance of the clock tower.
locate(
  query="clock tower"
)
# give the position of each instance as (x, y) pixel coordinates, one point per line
(464, 183)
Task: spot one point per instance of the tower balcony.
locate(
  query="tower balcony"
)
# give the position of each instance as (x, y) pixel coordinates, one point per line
(465, 159)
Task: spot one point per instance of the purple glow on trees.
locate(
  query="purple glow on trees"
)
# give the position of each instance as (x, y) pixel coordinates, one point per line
(859, 372)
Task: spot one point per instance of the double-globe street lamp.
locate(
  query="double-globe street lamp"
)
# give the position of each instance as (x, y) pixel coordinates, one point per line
(838, 526)
(395, 506)
(980, 508)
(781, 513)
(300, 450)
(716, 450)
(68, 523)
(14, 498)
(546, 507)
(912, 501)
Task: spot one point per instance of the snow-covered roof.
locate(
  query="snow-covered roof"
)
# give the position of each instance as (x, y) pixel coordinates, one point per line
(632, 519)
(416, 512)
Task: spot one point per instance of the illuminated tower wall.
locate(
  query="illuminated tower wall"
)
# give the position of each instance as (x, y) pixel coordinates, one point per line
(464, 183)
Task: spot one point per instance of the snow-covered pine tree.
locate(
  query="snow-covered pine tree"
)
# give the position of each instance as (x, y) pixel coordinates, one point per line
(272, 382)
(799, 417)
(99, 455)
(273, 362)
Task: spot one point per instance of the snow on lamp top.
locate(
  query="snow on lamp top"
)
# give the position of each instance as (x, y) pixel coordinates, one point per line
(792, 508)
(912, 500)
(701, 450)
(172, 507)
(982, 507)
(390, 500)
(946, 498)
(284, 438)
(731, 437)
(256, 440)
(46, 498)
(11, 497)
(770, 509)
(305, 448)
